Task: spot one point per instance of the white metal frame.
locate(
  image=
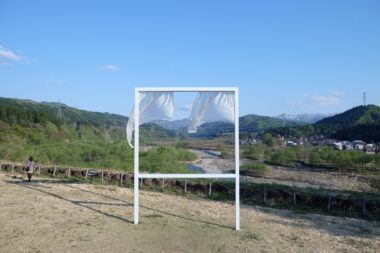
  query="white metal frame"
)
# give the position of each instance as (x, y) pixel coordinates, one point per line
(137, 174)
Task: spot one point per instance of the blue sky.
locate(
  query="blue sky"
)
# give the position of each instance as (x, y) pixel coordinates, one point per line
(285, 56)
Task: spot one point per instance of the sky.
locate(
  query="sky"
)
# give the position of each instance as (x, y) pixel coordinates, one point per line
(285, 56)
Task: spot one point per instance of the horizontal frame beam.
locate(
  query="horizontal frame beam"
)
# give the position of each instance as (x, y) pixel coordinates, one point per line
(142, 175)
(185, 89)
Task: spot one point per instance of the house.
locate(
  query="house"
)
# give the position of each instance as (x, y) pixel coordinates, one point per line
(359, 144)
(338, 145)
(246, 141)
(347, 145)
(291, 144)
(370, 149)
(330, 142)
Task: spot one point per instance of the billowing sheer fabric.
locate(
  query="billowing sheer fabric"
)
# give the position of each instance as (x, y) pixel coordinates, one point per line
(153, 106)
(212, 107)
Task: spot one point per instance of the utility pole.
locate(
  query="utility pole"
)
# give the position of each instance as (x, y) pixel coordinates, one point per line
(59, 112)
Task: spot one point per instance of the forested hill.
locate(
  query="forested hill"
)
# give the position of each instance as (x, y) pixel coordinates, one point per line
(76, 138)
(360, 115)
(27, 112)
(358, 123)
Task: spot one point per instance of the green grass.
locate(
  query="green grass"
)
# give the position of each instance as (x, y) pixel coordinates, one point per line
(257, 169)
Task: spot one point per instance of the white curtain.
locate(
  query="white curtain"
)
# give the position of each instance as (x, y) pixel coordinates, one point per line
(212, 107)
(153, 106)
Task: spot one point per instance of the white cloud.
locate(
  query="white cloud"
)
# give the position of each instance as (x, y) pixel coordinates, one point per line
(54, 81)
(329, 100)
(111, 68)
(336, 93)
(332, 99)
(10, 56)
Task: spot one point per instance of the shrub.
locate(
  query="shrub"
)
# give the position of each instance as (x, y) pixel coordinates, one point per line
(254, 152)
(257, 169)
(283, 157)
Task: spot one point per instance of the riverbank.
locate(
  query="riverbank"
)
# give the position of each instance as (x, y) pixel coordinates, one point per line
(211, 163)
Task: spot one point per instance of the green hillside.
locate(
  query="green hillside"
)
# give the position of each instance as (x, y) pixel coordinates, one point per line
(256, 123)
(27, 113)
(358, 123)
(360, 115)
(361, 122)
(248, 124)
(79, 138)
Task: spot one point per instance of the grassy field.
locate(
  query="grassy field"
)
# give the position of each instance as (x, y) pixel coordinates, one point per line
(51, 216)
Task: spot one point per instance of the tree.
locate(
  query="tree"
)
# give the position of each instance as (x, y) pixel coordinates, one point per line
(315, 158)
(284, 157)
(365, 159)
(343, 160)
(361, 159)
(254, 152)
(377, 160)
(269, 140)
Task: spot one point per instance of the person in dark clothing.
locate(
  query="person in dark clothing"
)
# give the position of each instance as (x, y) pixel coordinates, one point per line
(30, 168)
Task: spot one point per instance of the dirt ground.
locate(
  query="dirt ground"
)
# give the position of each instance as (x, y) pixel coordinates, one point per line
(211, 163)
(299, 177)
(49, 215)
(313, 179)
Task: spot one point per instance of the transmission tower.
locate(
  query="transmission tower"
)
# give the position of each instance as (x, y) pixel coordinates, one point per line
(59, 111)
(364, 98)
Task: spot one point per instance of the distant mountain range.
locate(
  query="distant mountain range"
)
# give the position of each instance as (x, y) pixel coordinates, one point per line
(362, 122)
(249, 123)
(181, 124)
(305, 117)
(28, 113)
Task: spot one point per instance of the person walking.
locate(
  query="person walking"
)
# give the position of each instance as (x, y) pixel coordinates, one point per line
(30, 168)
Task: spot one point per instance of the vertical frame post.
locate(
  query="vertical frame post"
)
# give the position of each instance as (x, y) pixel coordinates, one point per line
(136, 156)
(237, 162)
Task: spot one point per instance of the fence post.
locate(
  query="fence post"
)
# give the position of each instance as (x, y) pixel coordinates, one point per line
(210, 189)
(69, 172)
(85, 178)
(329, 203)
(39, 169)
(55, 168)
(13, 165)
(364, 209)
(141, 182)
(1, 165)
(185, 187)
(162, 184)
(294, 199)
(102, 176)
(265, 196)
(121, 178)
